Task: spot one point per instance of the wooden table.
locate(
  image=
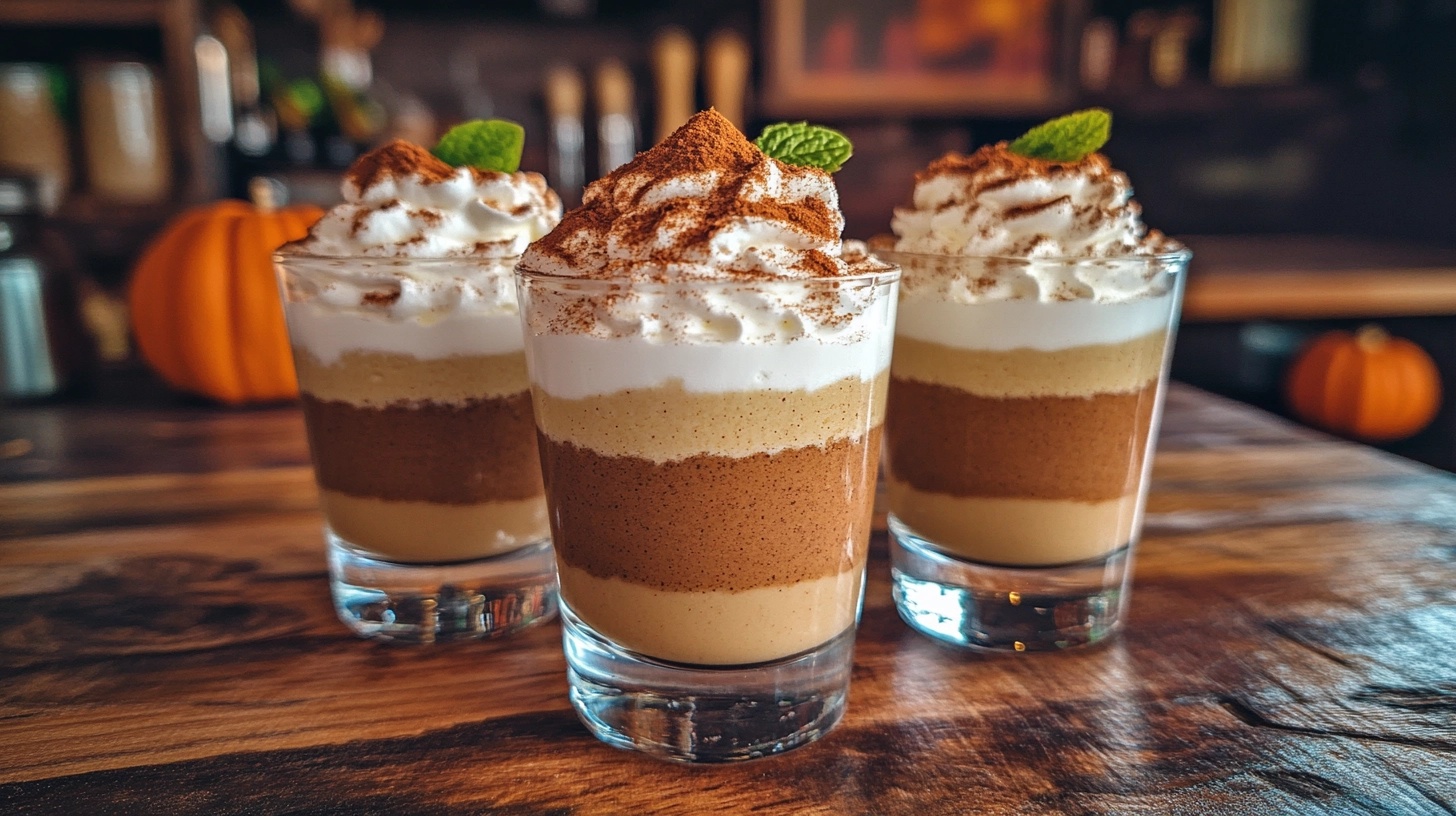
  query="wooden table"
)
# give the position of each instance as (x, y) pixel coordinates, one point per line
(167, 647)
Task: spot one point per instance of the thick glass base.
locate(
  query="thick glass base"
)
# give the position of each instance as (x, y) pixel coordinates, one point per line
(704, 713)
(429, 603)
(1023, 609)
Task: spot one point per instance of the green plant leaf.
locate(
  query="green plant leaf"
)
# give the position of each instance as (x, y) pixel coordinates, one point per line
(307, 95)
(806, 145)
(486, 144)
(1067, 138)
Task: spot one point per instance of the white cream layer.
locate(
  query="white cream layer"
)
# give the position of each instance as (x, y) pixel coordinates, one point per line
(328, 332)
(575, 366)
(1031, 324)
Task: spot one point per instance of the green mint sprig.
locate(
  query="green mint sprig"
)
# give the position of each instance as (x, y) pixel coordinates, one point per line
(806, 145)
(1067, 138)
(485, 144)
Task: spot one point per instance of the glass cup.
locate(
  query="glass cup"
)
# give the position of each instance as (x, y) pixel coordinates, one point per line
(419, 420)
(1018, 442)
(711, 488)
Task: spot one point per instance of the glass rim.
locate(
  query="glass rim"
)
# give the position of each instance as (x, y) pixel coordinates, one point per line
(889, 274)
(1180, 255)
(292, 252)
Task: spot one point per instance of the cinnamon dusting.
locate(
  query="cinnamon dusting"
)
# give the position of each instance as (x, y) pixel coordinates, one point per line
(394, 160)
(381, 298)
(680, 227)
(1004, 167)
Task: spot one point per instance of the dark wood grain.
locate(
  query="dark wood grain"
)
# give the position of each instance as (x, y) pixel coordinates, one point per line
(167, 646)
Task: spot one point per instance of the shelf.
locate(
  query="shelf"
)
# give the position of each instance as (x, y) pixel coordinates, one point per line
(83, 12)
(1237, 278)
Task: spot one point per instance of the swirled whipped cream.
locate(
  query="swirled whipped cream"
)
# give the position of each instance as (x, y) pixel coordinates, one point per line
(704, 206)
(417, 259)
(1048, 230)
(402, 202)
(995, 203)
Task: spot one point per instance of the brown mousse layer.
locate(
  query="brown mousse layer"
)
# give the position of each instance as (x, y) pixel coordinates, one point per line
(713, 523)
(945, 440)
(449, 453)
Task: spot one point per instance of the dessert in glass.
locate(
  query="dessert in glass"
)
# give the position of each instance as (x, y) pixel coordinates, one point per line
(401, 310)
(708, 369)
(1031, 355)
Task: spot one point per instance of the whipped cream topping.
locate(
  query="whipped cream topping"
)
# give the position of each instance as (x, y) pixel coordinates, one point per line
(968, 280)
(705, 203)
(401, 201)
(997, 226)
(695, 312)
(428, 309)
(705, 206)
(417, 260)
(994, 203)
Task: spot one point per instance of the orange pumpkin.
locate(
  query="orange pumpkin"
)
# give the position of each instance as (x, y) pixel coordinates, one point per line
(204, 304)
(1368, 385)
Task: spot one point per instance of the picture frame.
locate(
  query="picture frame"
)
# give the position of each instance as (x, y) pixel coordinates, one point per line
(853, 57)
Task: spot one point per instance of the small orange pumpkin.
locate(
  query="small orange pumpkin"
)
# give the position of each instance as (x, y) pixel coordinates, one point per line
(204, 303)
(1368, 385)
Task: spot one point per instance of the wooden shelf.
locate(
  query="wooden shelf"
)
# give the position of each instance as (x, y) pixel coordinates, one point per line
(1238, 278)
(179, 22)
(83, 12)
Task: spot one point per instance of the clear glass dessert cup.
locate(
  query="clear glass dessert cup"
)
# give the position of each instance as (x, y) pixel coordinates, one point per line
(1019, 441)
(420, 427)
(711, 501)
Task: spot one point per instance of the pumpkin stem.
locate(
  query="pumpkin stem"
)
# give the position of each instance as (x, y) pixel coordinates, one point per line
(1371, 337)
(260, 190)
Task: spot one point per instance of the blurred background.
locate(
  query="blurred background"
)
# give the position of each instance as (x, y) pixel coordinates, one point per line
(1305, 149)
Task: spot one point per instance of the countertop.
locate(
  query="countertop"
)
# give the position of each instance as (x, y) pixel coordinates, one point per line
(167, 647)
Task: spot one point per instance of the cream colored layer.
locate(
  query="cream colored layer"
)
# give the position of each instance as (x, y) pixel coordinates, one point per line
(376, 378)
(1016, 532)
(416, 532)
(714, 628)
(1080, 370)
(669, 423)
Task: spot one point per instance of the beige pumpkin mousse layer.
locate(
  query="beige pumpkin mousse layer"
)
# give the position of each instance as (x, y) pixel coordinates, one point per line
(431, 533)
(1016, 532)
(1114, 368)
(670, 423)
(372, 378)
(750, 626)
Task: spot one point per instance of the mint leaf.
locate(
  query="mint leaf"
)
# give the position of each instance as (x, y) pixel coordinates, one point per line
(805, 145)
(1067, 138)
(486, 144)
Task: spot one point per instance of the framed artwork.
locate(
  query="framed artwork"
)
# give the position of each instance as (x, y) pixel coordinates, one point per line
(851, 57)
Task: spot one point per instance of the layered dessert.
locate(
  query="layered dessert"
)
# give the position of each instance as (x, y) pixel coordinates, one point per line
(1031, 343)
(708, 373)
(402, 313)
